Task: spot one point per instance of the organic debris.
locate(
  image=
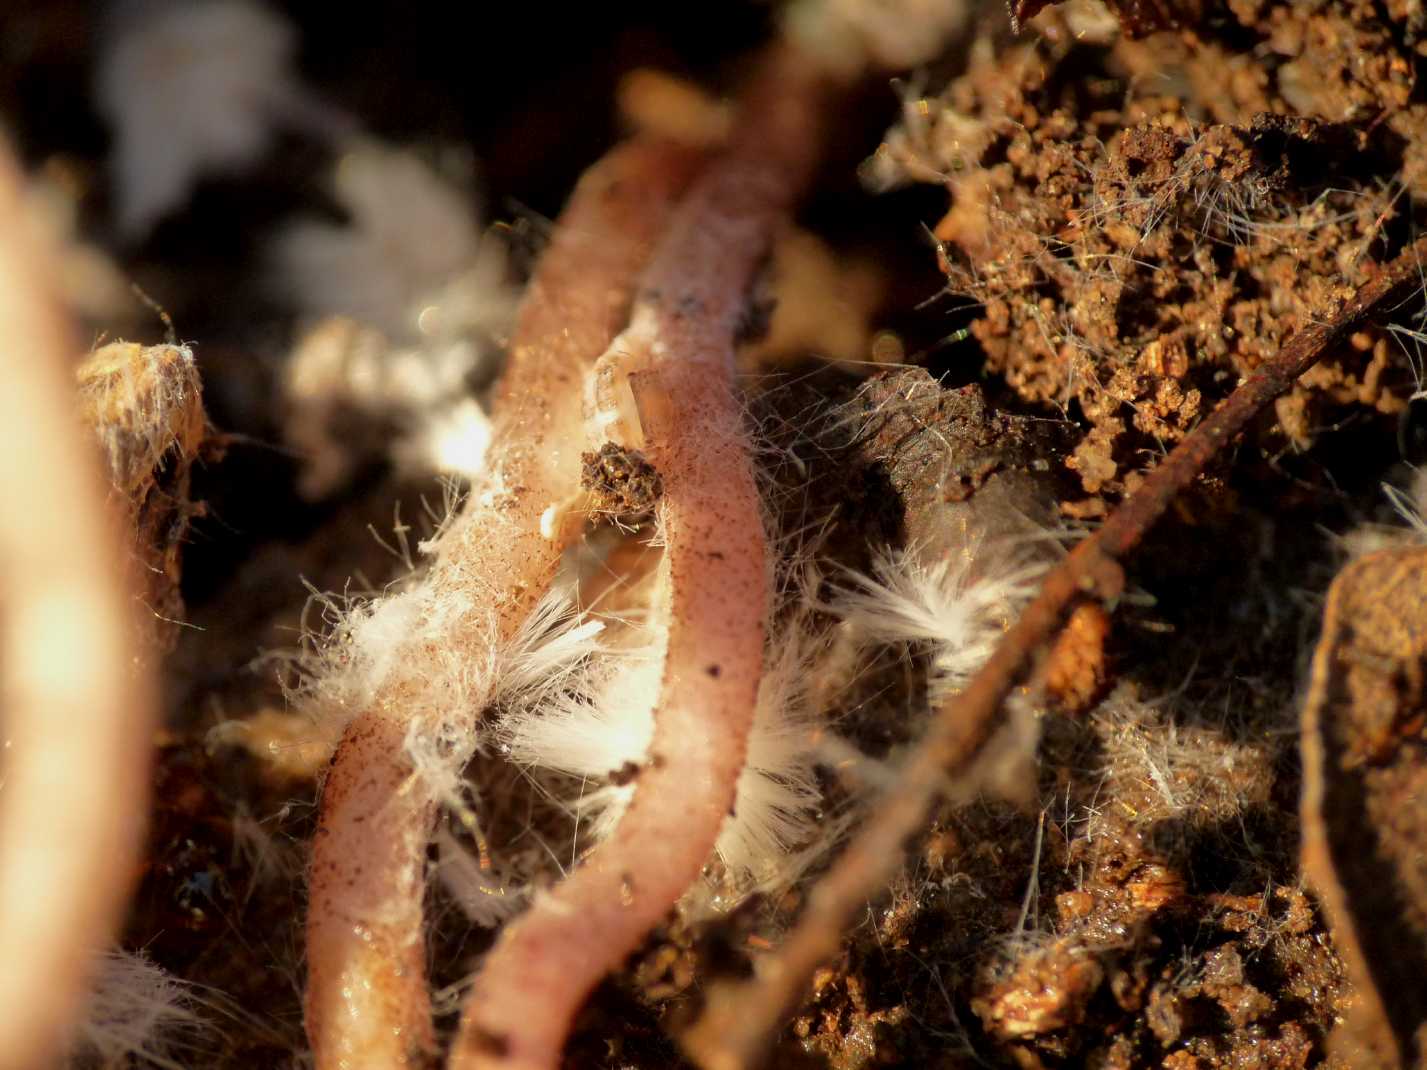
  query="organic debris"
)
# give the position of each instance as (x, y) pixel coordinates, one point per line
(1137, 240)
(661, 667)
(1364, 771)
(145, 405)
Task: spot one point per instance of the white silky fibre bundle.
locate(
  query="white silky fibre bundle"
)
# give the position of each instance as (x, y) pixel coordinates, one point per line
(368, 646)
(422, 393)
(485, 900)
(595, 730)
(415, 301)
(193, 89)
(399, 643)
(600, 728)
(137, 1015)
(410, 261)
(955, 607)
(778, 796)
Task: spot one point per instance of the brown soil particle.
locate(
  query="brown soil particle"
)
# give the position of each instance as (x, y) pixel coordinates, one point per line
(1046, 992)
(1139, 241)
(1076, 670)
(962, 469)
(621, 482)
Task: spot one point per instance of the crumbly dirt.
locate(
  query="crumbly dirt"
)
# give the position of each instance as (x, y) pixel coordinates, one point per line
(622, 484)
(1143, 223)
(1146, 905)
(1125, 225)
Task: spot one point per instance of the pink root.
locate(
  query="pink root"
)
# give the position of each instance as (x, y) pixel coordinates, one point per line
(367, 999)
(680, 344)
(78, 706)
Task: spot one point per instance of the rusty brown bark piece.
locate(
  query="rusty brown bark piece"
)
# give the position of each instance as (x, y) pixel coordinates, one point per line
(741, 1018)
(1364, 748)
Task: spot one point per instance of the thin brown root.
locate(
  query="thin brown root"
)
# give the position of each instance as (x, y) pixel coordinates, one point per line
(741, 1019)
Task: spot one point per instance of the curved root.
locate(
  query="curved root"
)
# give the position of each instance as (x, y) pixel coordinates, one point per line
(367, 1002)
(679, 347)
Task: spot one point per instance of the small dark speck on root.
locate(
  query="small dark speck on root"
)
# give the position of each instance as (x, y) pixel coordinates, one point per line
(625, 774)
(756, 320)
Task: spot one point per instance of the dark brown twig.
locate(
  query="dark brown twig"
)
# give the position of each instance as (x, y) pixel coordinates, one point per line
(741, 1018)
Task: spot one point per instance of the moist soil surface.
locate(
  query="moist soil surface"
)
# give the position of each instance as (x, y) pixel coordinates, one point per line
(1083, 238)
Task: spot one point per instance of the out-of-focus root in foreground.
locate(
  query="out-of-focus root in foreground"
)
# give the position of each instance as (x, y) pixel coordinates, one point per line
(76, 703)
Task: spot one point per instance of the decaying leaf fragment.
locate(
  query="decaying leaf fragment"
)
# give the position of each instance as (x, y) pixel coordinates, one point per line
(145, 407)
(1365, 799)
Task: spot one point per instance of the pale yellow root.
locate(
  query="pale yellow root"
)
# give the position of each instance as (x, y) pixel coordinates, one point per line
(76, 708)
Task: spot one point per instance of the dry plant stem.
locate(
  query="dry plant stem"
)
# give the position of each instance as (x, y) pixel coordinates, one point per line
(742, 1019)
(682, 337)
(367, 1000)
(76, 707)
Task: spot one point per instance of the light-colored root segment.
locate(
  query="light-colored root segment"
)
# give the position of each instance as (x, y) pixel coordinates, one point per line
(367, 1001)
(549, 959)
(76, 709)
(680, 343)
(367, 998)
